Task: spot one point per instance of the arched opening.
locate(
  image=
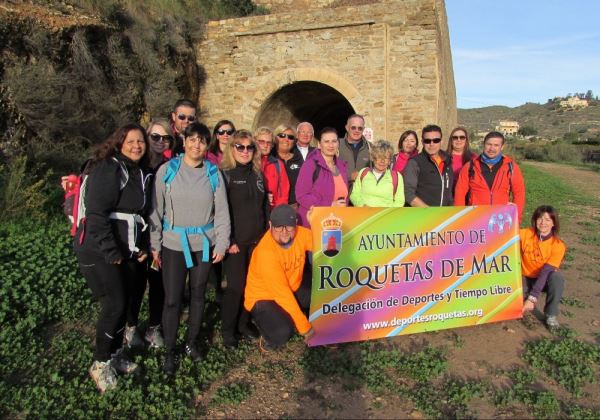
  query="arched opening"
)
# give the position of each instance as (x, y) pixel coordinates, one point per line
(315, 102)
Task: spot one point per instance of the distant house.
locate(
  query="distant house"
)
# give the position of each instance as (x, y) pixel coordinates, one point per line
(508, 128)
(574, 102)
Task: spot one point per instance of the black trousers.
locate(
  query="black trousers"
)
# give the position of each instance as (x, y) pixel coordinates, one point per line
(109, 285)
(136, 286)
(174, 276)
(156, 297)
(554, 289)
(274, 323)
(233, 315)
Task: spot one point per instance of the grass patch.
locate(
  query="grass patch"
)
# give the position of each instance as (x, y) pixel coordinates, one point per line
(572, 301)
(567, 360)
(233, 393)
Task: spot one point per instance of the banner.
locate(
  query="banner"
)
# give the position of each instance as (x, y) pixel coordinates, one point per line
(386, 272)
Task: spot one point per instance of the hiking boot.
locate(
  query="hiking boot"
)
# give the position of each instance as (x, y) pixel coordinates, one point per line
(264, 345)
(192, 351)
(121, 362)
(132, 338)
(249, 333)
(103, 375)
(552, 322)
(169, 364)
(154, 337)
(230, 342)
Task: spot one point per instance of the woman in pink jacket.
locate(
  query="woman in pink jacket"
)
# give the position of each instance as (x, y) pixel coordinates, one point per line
(408, 146)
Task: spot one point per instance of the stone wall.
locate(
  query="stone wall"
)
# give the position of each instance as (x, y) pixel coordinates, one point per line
(389, 61)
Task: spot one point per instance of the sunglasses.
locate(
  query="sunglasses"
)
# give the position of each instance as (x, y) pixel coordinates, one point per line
(280, 229)
(190, 118)
(241, 148)
(355, 128)
(289, 136)
(459, 137)
(429, 141)
(228, 132)
(162, 139)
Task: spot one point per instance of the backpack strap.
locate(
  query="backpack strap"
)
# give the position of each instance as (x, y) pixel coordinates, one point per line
(394, 183)
(510, 173)
(172, 169)
(364, 173)
(316, 172)
(212, 171)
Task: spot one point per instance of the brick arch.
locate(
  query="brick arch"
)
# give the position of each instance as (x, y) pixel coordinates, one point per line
(277, 81)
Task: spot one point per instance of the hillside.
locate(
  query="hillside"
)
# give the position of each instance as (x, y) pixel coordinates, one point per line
(548, 119)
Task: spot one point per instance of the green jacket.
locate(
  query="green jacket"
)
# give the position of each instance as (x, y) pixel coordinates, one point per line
(373, 193)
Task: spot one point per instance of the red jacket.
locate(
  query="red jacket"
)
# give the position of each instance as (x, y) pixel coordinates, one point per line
(276, 179)
(508, 177)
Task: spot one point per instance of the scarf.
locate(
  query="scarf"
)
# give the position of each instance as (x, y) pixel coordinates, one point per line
(490, 161)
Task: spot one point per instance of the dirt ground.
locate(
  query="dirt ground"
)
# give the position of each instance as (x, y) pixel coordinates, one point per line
(281, 388)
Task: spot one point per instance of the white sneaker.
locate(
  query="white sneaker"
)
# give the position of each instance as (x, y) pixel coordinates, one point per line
(154, 337)
(103, 375)
(132, 339)
(552, 321)
(122, 364)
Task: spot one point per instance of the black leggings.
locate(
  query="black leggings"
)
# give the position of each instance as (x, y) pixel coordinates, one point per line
(233, 314)
(108, 283)
(156, 296)
(273, 322)
(174, 275)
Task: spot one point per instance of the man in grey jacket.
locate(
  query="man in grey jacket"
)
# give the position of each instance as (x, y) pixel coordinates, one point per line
(354, 148)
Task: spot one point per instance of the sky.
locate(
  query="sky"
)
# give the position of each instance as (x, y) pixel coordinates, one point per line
(509, 52)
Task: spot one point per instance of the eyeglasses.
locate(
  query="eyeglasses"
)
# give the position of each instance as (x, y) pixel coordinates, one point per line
(429, 141)
(459, 137)
(280, 229)
(228, 132)
(196, 140)
(289, 136)
(264, 142)
(190, 118)
(355, 128)
(241, 148)
(162, 139)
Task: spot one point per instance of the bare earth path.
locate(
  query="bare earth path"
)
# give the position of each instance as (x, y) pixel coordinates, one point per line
(282, 388)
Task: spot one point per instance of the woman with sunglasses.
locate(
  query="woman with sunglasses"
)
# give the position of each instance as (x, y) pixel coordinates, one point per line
(222, 132)
(286, 150)
(189, 232)
(277, 184)
(248, 209)
(460, 151)
(323, 180)
(111, 246)
(408, 147)
(160, 139)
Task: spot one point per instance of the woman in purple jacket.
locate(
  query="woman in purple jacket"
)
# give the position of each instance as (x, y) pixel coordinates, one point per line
(322, 181)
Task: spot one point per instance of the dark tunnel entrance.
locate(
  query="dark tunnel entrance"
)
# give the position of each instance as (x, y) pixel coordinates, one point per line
(315, 102)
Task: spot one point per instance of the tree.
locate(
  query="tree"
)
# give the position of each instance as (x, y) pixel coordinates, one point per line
(527, 130)
(589, 94)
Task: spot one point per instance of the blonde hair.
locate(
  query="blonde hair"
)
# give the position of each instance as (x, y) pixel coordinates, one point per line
(381, 148)
(228, 162)
(264, 130)
(163, 122)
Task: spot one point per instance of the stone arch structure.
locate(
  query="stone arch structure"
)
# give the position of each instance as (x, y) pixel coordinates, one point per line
(306, 94)
(388, 60)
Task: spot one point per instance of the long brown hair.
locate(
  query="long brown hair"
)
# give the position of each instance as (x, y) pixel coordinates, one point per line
(551, 212)
(114, 143)
(467, 155)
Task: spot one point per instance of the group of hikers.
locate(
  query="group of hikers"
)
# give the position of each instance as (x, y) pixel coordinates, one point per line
(173, 204)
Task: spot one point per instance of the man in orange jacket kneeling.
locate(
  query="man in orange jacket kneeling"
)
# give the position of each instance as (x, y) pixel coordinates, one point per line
(276, 294)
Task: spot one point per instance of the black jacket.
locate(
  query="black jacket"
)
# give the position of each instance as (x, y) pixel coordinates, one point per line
(422, 178)
(292, 169)
(114, 185)
(247, 204)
